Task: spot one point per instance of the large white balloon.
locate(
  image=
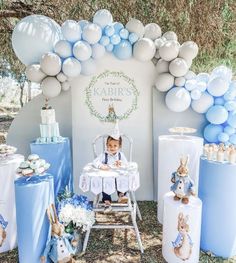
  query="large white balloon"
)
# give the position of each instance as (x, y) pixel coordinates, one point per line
(144, 49)
(203, 104)
(102, 18)
(188, 50)
(162, 66)
(50, 64)
(178, 99)
(135, 26)
(88, 67)
(217, 87)
(169, 50)
(71, 30)
(63, 48)
(82, 50)
(178, 67)
(170, 35)
(152, 31)
(34, 36)
(164, 82)
(98, 51)
(51, 87)
(92, 33)
(34, 73)
(71, 67)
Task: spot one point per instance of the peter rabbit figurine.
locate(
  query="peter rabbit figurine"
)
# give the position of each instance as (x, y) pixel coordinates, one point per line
(183, 243)
(3, 234)
(182, 183)
(59, 248)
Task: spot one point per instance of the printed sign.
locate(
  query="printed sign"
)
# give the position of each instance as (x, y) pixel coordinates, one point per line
(111, 95)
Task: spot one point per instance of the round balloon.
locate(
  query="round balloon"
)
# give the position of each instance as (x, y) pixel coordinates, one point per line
(211, 132)
(104, 41)
(61, 77)
(159, 42)
(38, 32)
(170, 35)
(169, 50)
(196, 94)
(190, 75)
(188, 50)
(180, 81)
(232, 139)
(232, 119)
(133, 37)
(164, 82)
(162, 66)
(123, 50)
(217, 114)
(117, 26)
(115, 39)
(51, 87)
(63, 48)
(191, 84)
(152, 31)
(229, 130)
(223, 137)
(222, 72)
(103, 18)
(124, 33)
(83, 23)
(230, 105)
(203, 77)
(178, 67)
(71, 30)
(71, 67)
(109, 30)
(144, 49)
(82, 50)
(34, 73)
(202, 86)
(98, 51)
(135, 26)
(178, 99)
(92, 33)
(88, 67)
(217, 87)
(203, 104)
(50, 64)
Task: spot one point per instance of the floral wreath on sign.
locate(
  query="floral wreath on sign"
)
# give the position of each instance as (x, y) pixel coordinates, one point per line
(114, 74)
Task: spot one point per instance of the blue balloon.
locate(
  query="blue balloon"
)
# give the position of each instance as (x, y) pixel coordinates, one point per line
(232, 138)
(217, 114)
(203, 77)
(83, 23)
(229, 95)
(232, 119)
(109, 30)
(223, 137)
(118, 26)
(102, 17)
(105, 40)
(115, 39)
(124, 33)
(109, 47)
(219, 101)
(229, 130)
(230, 105)
(211, 132)
(123, 50)
(133, 37)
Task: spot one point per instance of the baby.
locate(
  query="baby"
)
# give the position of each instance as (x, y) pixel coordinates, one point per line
(112, 157)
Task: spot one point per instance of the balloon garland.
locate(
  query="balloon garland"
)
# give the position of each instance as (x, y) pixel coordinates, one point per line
(58, 54)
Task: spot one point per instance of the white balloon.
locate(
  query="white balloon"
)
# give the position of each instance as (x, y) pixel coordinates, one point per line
(170, 35)
(63, 48)
(135, 26)
(50, 64)
(144, 49)
(178, 67)
(88, 67)
(152, 31)
(162, 66)
(196, 94)
(178, 99)
(98, 51)
(51, 87)
(164, 82)
(61, 77)
(65, 86)
(188, 50)
(71, 67)
(159, 42)
(34, 73)
(190, 75)
(169, 50)
(203, 104)
(191, 84)
(34, 36)
(102, 18)
(180, 81)
(82, 50)
(189, 62)
(71, 30)
(217, 87)
(92, 33)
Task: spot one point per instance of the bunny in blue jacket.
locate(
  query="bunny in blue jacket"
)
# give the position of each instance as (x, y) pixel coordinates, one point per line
(59, 249)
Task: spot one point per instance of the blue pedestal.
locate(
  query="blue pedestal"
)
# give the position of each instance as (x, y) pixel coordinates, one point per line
(33, 197)
(59, 157)
(217, 184)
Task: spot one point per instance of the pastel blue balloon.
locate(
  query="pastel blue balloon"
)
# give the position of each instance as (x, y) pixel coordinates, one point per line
(217, 114)
(229, 130)
(202, 86)
(223, 72)
(219, 101)
(232, 119)
(105, 40)
(71, 30)
(211, 132)
(117, 26)
(190, 84)
(229, 95)
(204, 77)
(115, 39)
(230, 105)
(195, 94)
(232, 138)
(232, 85)
(124, 33)
(223, 137)
(123, 50)
(103, 17)
(217, 87)
(83, 23)
(109, 47)
(109, 30)
(133, 37)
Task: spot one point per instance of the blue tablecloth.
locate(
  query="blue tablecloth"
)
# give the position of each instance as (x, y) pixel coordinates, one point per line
(33, 196)
(59, 157)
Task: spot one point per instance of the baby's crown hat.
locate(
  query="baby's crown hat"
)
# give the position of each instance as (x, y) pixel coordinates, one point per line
(115, 133)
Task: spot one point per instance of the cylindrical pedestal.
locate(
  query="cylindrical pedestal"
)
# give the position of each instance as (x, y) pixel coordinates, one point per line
(170, 150)
(8, 174)
(33, 197)
(181, 230)
(217, 183)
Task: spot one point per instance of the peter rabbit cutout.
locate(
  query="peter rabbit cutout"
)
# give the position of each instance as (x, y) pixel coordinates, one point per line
(183, 185)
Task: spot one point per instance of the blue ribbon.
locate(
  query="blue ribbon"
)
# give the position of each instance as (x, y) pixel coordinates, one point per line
(34, 179)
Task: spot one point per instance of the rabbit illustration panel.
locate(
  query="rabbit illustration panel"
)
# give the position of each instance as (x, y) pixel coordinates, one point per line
(3, 233)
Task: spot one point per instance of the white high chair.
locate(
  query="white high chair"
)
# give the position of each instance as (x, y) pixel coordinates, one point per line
(131, 206)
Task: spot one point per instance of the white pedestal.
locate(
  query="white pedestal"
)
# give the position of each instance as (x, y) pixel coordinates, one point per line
(8, 174)
(170, 150)
(181, 230)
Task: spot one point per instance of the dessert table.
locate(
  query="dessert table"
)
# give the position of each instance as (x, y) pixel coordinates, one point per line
(8, 166)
